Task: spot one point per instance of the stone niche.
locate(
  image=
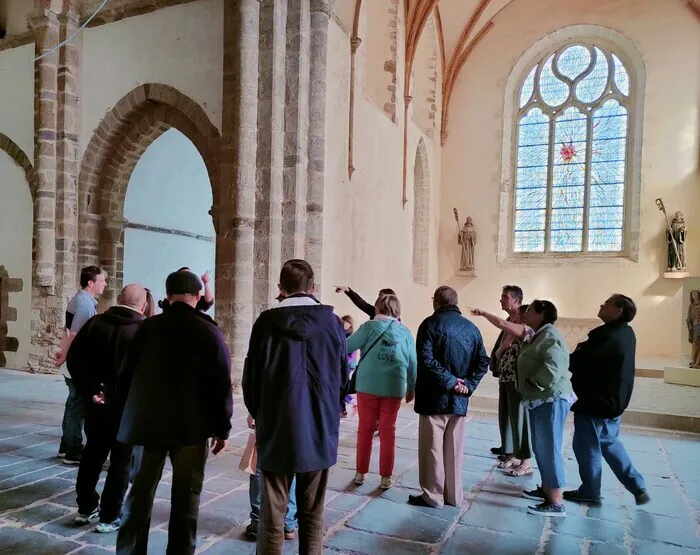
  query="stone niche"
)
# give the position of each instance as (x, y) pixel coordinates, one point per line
(681, 373)
(7, 314)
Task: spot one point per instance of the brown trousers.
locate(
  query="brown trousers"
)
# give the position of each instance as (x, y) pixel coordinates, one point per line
(440, 456)
(311, 495)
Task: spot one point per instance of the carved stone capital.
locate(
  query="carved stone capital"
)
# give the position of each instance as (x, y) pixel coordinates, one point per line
(112, 228)
(355, 43)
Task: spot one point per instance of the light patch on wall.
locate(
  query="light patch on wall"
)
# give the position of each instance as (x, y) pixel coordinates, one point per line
(168, 189)
(16, 216)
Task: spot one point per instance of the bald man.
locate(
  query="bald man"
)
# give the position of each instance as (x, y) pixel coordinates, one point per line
(94, 359)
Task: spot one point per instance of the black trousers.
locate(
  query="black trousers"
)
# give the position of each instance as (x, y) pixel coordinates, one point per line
(188, 477)
(101, 427)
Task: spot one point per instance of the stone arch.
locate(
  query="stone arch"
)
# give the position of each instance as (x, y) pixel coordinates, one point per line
(117, 144)
(379, 32)
(424, 80)
(19, 157)
(634, 64)
(421, 215)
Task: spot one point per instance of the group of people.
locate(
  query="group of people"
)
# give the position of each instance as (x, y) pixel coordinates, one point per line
(147, 400)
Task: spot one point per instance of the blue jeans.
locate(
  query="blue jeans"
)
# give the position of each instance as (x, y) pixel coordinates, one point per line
(594, 437)
(73, 416)
(547, 434)
(290, 518)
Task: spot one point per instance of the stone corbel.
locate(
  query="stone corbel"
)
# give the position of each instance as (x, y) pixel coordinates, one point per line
(214, 212)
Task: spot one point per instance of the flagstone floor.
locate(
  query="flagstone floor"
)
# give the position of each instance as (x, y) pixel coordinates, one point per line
(37, 500)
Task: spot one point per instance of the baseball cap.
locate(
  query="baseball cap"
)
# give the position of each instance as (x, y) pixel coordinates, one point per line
(182, 283)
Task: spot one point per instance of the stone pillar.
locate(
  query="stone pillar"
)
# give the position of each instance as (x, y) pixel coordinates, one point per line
(271, 112)
(320, 17)
(236, 207)
(296, 126)
(68, 129)
(45, 26)
(112, 257)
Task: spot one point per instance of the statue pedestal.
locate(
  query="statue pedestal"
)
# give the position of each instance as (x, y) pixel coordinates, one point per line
(466, 273)
(676, 275)
(682, 375)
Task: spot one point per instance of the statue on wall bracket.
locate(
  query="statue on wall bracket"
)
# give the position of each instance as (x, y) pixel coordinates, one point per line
(693, 322)
(676, 234)
(466, 238)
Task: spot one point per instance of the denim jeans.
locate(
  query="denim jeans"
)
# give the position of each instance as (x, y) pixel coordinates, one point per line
(188, 477)
(73, 416)
(290, 517)
(598, 438)
(547, 431)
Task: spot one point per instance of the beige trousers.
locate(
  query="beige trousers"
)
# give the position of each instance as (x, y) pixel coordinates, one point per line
(440, 455)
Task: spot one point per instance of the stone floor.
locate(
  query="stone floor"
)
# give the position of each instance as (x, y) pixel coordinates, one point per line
(37, 501)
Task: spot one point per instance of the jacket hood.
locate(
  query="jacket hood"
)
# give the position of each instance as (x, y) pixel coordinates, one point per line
(122, 316)
(394, 334)
(300, 322)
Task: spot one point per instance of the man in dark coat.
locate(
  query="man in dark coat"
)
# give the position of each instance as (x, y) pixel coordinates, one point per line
(451, 362)
(511, 300)
(94, 359)
(294, 372)
(602, 371)
(177, 374)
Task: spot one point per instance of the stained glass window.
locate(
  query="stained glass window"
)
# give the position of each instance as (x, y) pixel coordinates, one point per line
(572, 143)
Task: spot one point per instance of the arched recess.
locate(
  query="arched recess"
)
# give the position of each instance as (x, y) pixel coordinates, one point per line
(379, 29)
(123, 135)
(424, 81)
(17, 194)
(421, 215)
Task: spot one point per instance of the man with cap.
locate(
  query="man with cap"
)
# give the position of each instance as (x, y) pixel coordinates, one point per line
(177, 374)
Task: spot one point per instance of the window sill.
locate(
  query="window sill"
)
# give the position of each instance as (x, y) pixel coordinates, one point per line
(564, 259)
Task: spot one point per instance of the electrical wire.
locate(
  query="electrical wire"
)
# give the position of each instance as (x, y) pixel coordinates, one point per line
(87, 21)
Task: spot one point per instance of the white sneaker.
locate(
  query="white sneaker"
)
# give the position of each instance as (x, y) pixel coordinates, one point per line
(107, 527)
(359, 478)
(387, 482)
(81, 520)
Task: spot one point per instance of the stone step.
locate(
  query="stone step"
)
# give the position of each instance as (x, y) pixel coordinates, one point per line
(488, 406)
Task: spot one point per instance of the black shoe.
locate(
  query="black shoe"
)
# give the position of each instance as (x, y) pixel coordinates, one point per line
(578, 497)
(497, 451)
(536, 494)
(418, 501)
(72, 459)
(642, 498)
(504, 457)
(252, 530)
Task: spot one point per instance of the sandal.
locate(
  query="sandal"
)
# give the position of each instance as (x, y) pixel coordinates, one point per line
(508, 463)
(520, 471)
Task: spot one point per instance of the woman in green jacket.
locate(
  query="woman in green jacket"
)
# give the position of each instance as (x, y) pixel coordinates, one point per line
(386, 374)
(544, 383)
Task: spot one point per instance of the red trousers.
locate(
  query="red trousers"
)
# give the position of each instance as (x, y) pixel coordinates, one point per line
(373, 409)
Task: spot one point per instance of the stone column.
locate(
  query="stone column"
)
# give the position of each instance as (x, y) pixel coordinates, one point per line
(44, 24)
(112, 257)
(296, 126)
(68, 129)
(271, 112)
(320, 17)
(236, 207)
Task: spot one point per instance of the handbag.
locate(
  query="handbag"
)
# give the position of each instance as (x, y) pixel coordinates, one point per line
(352, 384)
(249, 460)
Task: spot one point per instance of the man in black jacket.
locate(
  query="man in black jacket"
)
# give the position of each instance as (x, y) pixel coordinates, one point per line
(294, 372)
(451, 362)
(602, 371)
(177, 374)
(94, 358)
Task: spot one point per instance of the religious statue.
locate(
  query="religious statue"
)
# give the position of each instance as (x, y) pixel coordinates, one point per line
(693, 322)
(466, 238)
(675, 237)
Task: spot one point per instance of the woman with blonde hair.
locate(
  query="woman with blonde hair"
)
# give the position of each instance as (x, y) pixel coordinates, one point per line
(386, 374)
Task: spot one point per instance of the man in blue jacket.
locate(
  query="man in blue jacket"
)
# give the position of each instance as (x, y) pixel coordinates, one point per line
(451, 362)
(293, 375)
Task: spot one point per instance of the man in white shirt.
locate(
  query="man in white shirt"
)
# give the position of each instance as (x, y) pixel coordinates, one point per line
(81, 308)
